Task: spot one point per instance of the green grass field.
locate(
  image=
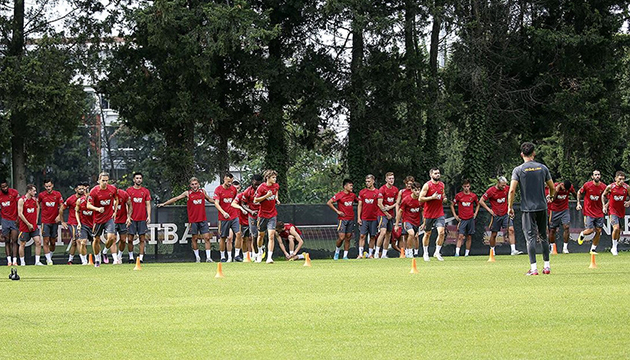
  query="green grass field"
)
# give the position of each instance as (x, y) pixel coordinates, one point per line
(459, 308)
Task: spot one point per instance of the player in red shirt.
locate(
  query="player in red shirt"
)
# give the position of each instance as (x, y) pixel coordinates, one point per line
(593, 210)
(267, 196)
(103, 199)
(433, 197)
(123, 211)
(224, 195)
(367, 210)
(498, 195)
(559, 214)
(50, 201)
(249, 211)
(409, 211)
(411, 244)
(70, 203)
(468, 207)
(616, 206)
(293, 235)
(85, 222)
(8, 209)
(345, 200)
(140, 215)
(386, 215)
(28, 212)
(196, 207)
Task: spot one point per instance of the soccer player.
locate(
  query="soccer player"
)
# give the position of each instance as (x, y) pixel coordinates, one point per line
(85, 223)
(345, 200)
(410, 244)
(123, 211)
(8, 203)
(532, 177)
(593, 209)
(70, 204)
(293, 235)
(467, 209)
(386, 204)
(245, 202)
(103, 199)
(196, 207)
(28, 212)
(50, 201)
(140, 215)
(433, 196)
(497, 195)
(616, 206)
(224, 195)
(368, 205)
(409, 211)
(559, 213)
(267, 196)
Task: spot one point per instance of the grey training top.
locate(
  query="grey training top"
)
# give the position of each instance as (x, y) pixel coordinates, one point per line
(532, 177)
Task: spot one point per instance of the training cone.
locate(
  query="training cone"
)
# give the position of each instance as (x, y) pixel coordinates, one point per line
(555, 250)
(491, 258)
(307, 259)
(402, 253)
(414, 267)
(219, 274)
(90, 260)
(247, 257)
(593, 265)
(137, 267)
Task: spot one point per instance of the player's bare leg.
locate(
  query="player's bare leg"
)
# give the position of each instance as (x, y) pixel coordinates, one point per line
(552, 240)
(598, 233)
(341, 237)
(379, 242)
(271, 234)
(565, 237)
(206, 240)
(388, 237)
(460, 242)
(425, 245)
(195, 247)
(438, 243)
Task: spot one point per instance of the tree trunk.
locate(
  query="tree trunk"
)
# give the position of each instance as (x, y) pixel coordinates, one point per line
(18, 142)
(430, 151)
(358, 146)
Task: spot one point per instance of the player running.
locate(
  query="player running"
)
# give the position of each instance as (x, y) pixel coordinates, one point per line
(85, 223)
(103, 199)
(593, 209)
(467, 209)
(433, 196)
(267, 196)
(409, 211)
(386, 215)
(50, 202)
(367, 209)
(28, 212)
(248, 213)
(122, 215)
(293, 235)
(71, 224)
(9, 212)
(409, 244)
(196, 207)
(140, 215)
(532, 177)
(497, 195)
(616, 206)
(559, 214)
(345, 200)
(224, 195)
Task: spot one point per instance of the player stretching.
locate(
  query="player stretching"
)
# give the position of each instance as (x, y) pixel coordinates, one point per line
(345, 217)
(8, 201)
(532, 177)
(140, 216)
(50, 201)
(386, 203)
(367, 208)
(409, 211)
(593, 210)
(249, 211)
(467, 209)
(196, 208)
(497, 195)
(267, 196)
(616, 206)
(293, 235)
(433, 196)
(28, 211)
(559, 214)
(224, 195)
(71, 224)
(410, 244)
(85, 223)
(104, 199)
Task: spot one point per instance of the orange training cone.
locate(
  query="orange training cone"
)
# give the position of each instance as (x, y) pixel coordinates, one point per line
(414, 267)
(402, 253)
(219, 274)
(554, 250)
(307, 259)
(593, 265)
(137, 267)
(491, 258)
(247, 257)
(90, 261)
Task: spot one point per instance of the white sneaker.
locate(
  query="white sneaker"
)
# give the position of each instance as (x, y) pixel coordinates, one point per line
(258, 259)
(384, 256)
(376, 255)
(198, 260)
(426, 257)
(209, 260)
(438, 256)
(614, 251)
(39, 263)
(270, 261)
(517, 252)
(565, 251)
(229, 260)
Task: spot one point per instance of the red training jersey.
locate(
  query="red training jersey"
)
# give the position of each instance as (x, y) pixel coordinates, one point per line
(242, 218)
(70, 204)
(345, 202)
(267, 206)
(404, 193)
(30, 213)
(248, 199)
(434, 209)
(561, 202)
(287, 230)
(49, 204)
(121, 212)
(196, 206)
(618, 195)
(498, 199)
(139, 198)
(225, 197)
(389, 196)
(369, 208)
(592, 199)
(411, 210)
(85, 215)
(466, 204)
(8, 202)
(103, 198)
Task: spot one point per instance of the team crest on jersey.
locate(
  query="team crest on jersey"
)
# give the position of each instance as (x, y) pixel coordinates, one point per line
(197, 201)
(51, 204)
(501, 200)
(594, 197)
(6, 203)
(106, 202)
(30, 211)
(618, 198)
(369, 201)
(466, 203)
(137, 200)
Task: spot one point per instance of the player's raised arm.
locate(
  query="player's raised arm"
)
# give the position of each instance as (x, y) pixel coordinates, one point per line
(174, 200)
